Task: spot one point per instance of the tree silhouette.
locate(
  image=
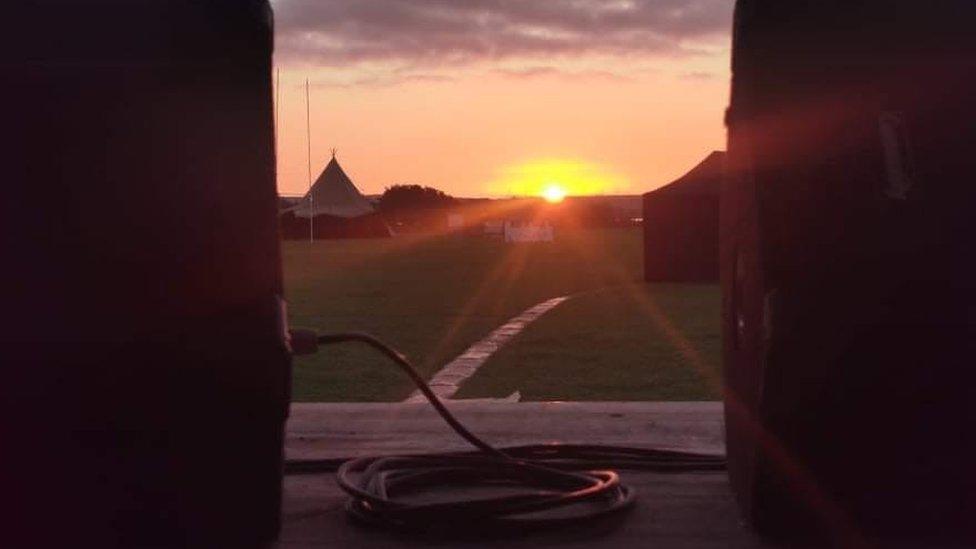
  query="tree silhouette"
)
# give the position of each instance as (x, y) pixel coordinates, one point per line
(406, 198)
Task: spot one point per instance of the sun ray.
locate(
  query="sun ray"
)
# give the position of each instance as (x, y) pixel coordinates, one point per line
(498, 281)
(797, 474)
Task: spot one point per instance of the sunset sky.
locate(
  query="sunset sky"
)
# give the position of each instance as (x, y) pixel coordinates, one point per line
(500, 98)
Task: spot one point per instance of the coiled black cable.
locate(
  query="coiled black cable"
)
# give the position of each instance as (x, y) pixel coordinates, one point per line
(540, 485)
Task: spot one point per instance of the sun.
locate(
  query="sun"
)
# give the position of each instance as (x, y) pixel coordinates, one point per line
(556, 179)
(553, 193)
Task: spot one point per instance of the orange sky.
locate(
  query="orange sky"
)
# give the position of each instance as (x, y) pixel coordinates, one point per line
(597, 122)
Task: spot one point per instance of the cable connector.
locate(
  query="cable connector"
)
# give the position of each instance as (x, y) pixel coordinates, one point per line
(303, 342)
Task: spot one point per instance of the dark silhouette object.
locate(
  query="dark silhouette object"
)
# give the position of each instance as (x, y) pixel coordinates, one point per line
(328, 227)
(415, 207)
(413, 197)
(335, 208)
(681, 226)
(593, 212)
(146, 374)
(848, 270)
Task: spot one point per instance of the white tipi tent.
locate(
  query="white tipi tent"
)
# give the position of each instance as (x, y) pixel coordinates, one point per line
(333, 208)
(333, 194)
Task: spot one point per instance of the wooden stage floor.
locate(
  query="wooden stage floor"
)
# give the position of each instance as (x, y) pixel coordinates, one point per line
(673, 510)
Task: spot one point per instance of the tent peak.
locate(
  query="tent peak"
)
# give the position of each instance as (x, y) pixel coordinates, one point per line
(704, 179)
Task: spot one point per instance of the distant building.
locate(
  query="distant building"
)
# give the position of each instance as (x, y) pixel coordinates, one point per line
(515, 231)
(494, 228)
(455, 221)
(681, 226)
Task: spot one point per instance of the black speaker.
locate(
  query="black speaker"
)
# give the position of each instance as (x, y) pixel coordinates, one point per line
(849, 289)
(146, 376)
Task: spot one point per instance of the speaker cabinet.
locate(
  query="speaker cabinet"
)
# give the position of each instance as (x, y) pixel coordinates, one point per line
(847, 263)
(146, 378)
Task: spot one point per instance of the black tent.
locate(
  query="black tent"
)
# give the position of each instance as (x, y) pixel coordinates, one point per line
(681, 226)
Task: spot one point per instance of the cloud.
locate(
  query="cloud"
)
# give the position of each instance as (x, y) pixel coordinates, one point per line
(699, 76)
(431, 33)
(383, 80)
(528, 73)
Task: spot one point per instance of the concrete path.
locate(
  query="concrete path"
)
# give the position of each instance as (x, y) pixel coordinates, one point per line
(448, 379)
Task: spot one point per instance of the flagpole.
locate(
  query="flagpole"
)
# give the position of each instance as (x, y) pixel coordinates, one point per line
(308, 141)
(277, 102)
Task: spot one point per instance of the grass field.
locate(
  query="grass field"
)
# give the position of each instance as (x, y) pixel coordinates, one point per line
(432, 297)
(631, 342)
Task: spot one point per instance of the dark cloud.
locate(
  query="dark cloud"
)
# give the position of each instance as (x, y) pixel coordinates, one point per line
(448, 32)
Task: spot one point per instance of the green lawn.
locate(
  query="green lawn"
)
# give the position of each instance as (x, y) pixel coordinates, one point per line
(635, 342)
(432, 297)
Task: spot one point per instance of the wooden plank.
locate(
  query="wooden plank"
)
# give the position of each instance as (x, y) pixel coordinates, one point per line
(358, 429)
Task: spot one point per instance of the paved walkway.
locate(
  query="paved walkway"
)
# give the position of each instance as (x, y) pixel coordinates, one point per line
(448, 379)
